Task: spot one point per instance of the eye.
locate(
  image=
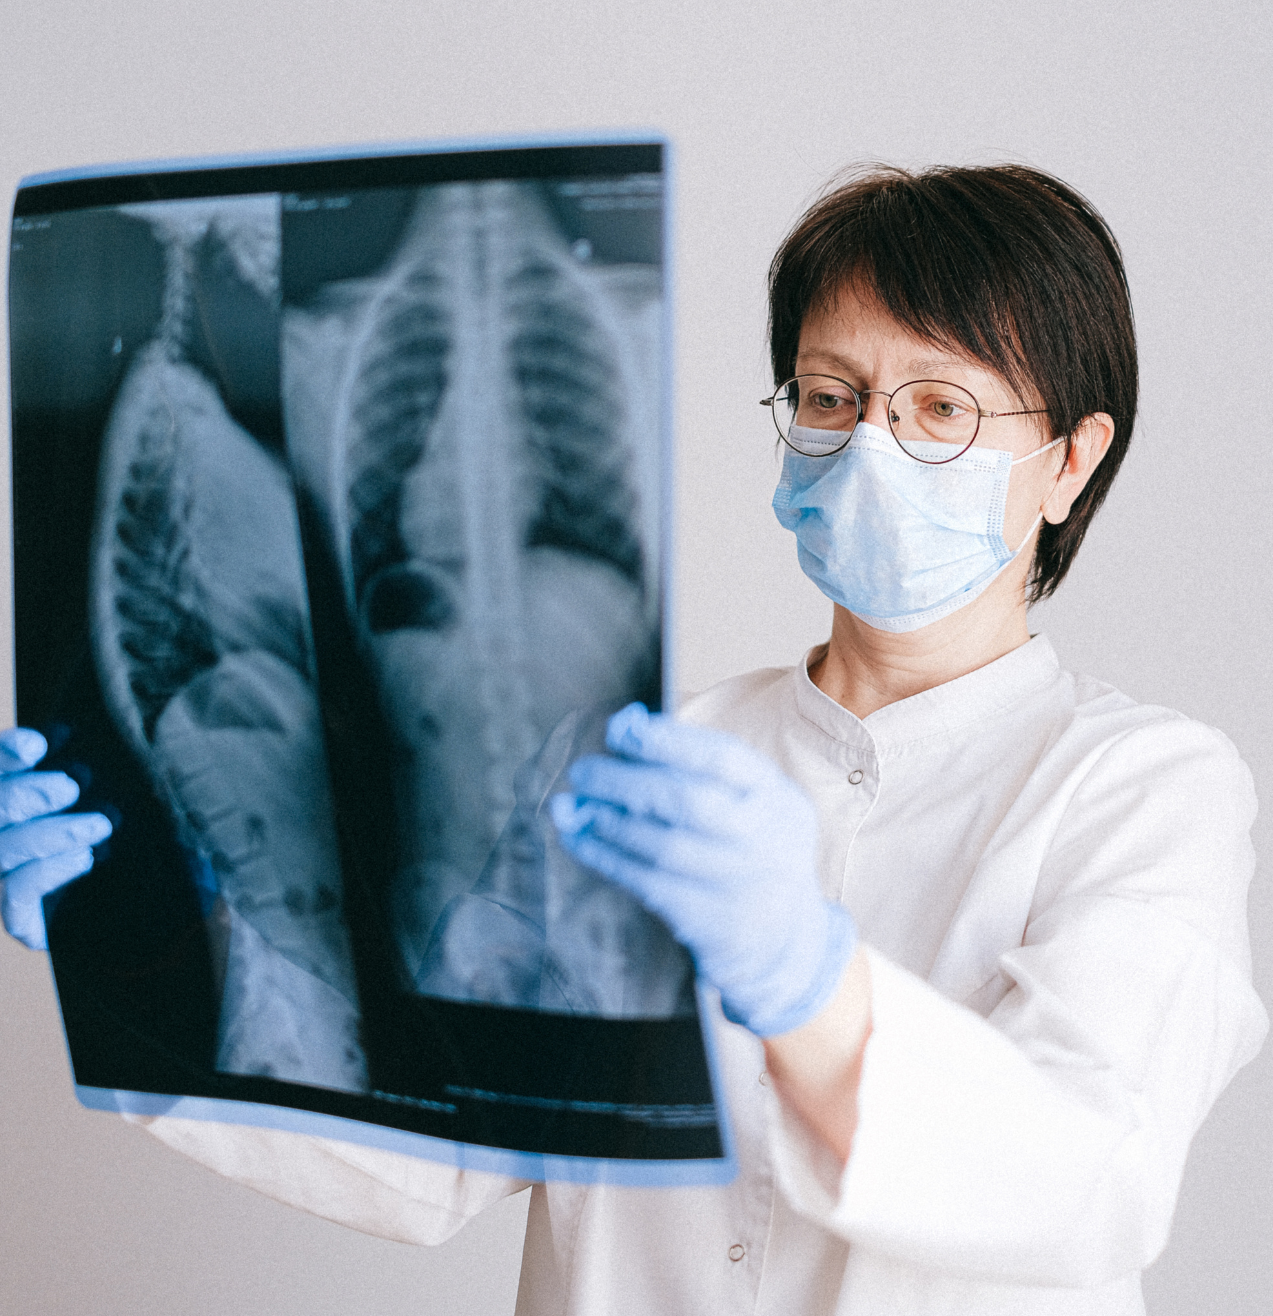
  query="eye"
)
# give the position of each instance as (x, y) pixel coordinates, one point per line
(825, 401)
(947, 409)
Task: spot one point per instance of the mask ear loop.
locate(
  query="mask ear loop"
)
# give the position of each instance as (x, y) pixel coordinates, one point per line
(1030, 456)
(1034, 525)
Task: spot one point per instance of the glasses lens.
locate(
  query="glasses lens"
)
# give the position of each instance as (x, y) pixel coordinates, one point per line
(934, 422)
(815, 414)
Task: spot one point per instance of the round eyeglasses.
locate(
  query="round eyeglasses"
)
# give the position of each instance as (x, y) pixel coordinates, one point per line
(932, 421)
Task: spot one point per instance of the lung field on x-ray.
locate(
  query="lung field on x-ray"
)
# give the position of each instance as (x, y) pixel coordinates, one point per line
(477, 423)
(401, 385)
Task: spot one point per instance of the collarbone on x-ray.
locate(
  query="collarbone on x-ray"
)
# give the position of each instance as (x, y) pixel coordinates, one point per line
(475, 425)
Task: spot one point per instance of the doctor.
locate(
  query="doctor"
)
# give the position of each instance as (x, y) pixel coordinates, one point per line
(977, 925)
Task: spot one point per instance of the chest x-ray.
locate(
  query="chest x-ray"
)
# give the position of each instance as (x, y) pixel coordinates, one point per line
(365, 508)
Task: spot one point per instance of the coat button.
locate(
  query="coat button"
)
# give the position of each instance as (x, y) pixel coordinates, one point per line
(855, 777)
(737, 1252)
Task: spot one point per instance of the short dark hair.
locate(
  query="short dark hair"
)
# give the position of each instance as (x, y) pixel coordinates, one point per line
(1003, 264)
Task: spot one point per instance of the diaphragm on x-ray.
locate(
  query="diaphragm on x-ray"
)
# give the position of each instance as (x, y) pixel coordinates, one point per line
(371, 544)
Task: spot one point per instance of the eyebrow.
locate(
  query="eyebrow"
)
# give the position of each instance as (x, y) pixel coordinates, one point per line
(919, 365)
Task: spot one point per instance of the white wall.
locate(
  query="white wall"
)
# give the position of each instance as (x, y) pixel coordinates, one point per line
(1158, 111)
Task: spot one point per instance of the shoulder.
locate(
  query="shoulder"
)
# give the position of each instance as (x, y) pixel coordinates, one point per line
(1117, 735)
(740, 704)
(1152, 806)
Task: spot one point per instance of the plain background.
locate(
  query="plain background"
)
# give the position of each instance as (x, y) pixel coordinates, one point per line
(1159, 112)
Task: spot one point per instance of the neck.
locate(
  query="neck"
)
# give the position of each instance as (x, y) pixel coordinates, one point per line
(864, 670)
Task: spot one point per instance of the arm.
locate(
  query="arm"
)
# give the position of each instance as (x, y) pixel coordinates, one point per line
(711, 836)
(1044, 1143)
(817, 1067)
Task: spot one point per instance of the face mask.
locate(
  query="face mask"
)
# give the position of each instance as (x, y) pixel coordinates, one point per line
(897, 542)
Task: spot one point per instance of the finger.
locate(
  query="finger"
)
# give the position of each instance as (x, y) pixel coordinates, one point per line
(27, 886)
(638, 838)
(635, 877)
(704, 751)
(45, 837)
(679, 856)
(654, 790)
(673, 856)
(629, 722)
(27, 795)
(681, 909)
(573, 816)
(569, 816)
(21, 748)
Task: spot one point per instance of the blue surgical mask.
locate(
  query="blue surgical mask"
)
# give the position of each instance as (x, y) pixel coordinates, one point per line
(898, 542)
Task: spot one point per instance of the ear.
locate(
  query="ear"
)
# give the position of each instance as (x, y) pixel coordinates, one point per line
(1088, 444)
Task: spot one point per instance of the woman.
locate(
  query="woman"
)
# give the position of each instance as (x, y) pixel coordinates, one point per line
(983, 1105)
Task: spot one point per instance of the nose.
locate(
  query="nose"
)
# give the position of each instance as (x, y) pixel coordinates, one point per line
(875, 407)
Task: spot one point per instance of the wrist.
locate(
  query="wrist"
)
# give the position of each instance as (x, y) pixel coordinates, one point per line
(806, 975)
(816, 1068)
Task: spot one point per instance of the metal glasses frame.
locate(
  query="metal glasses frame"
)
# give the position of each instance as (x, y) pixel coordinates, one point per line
(859, 394)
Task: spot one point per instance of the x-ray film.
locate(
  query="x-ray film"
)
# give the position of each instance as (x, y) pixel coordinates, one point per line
(339, 533)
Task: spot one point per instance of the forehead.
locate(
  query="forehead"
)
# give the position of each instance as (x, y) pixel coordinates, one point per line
(855, 337)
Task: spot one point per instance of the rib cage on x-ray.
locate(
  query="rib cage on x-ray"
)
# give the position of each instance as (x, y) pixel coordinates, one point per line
(474, 424)
(201, 637)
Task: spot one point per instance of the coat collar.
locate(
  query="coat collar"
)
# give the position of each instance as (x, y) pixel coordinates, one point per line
(943, 711)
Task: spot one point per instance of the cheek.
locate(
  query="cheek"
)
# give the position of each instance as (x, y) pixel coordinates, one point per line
(1028, 490)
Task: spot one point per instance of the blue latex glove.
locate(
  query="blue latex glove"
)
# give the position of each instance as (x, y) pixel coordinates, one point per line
(710, 835)
(40, 847)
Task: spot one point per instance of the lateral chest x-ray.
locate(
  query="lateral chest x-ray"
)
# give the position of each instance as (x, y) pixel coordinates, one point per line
(338, 527)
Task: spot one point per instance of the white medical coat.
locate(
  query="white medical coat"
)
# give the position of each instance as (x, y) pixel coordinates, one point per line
(1051, 881)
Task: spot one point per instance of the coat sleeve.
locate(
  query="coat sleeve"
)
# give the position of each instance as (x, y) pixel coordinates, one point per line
(1045, 1143)
(375, 1191)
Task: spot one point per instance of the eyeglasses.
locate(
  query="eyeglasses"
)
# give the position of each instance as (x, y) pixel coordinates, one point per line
(816, 414)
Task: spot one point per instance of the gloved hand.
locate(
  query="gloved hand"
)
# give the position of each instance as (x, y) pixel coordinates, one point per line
(711, 836)
(40, 848)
